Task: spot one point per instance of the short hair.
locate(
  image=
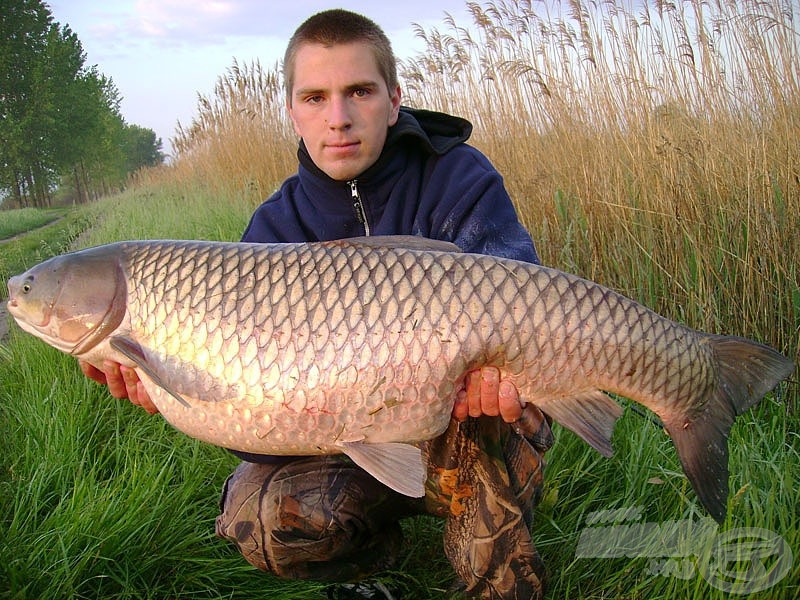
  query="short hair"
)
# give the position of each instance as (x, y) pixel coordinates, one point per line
(338, 26)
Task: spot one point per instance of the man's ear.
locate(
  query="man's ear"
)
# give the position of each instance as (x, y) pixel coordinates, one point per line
(291, 116)
(394, 98)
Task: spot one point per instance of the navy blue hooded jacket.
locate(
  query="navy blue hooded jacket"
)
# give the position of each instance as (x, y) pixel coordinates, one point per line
(426, 182)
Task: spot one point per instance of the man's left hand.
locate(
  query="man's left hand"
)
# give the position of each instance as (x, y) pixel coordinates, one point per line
(485, 393)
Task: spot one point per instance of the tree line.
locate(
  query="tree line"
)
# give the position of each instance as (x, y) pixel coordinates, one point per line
(60, 121)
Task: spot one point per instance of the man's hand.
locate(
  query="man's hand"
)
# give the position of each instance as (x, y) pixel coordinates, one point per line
(122, 382)
(485, 393)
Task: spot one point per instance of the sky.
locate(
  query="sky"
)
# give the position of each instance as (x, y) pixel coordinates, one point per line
(162, 53)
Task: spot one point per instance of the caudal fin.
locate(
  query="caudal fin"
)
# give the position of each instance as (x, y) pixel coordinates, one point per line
(746, 371)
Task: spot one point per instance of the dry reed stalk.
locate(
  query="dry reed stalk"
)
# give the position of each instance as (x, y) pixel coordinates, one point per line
(241, 140)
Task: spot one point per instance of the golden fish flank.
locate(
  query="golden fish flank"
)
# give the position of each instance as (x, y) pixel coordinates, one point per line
(358, 346)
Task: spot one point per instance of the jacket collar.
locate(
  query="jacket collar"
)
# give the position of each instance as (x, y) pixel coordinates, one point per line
(435, 132)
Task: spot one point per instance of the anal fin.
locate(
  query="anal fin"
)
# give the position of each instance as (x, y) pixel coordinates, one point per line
(591, 415)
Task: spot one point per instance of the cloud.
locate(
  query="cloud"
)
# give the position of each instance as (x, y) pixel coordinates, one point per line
(176, 23)
(184, 19)
(204, 22)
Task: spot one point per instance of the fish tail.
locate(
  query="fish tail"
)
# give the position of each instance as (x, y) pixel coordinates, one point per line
(746, 371)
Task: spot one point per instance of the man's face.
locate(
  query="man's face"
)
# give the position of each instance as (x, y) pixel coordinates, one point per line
(341, 107)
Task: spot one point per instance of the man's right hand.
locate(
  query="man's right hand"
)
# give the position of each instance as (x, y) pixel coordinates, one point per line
(122, 382)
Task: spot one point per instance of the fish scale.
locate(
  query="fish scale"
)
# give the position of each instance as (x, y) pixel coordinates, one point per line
(298, 323)
(360, 346)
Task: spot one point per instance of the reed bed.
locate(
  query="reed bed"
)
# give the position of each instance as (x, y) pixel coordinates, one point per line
(241, 140)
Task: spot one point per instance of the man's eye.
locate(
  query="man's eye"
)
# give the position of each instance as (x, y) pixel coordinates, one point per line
(361, 93)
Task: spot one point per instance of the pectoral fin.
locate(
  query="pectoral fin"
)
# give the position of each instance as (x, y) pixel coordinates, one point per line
(399, 466)
(134, 352)
(591, 415)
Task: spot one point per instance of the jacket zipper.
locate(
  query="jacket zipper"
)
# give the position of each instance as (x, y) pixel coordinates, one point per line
(358, 205)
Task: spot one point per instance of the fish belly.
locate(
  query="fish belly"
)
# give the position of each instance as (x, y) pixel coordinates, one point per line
(298, 351)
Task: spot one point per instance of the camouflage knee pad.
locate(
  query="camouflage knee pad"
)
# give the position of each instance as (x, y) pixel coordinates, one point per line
(318, 518)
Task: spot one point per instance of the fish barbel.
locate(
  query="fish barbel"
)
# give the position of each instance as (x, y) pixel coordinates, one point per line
(359, 347)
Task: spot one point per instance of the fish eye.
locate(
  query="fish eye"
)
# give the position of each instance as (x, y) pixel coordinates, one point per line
(26, 287)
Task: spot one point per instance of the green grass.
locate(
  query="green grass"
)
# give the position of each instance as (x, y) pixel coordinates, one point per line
(645, 474)
(14, 222)
(169, 214)
(100, 500)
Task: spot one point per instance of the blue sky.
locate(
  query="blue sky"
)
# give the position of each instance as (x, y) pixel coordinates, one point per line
(162, 53)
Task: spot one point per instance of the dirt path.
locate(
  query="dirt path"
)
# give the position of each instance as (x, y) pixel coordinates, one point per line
(4, 321)
(24, 233)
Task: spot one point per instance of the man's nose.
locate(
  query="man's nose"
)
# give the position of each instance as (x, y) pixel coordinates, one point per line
(339, 113)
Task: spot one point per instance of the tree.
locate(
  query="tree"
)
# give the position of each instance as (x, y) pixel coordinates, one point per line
(23, 31)
(141, 148)
(58, 117)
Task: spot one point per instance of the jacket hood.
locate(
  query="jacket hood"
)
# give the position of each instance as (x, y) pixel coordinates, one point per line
(436, 131)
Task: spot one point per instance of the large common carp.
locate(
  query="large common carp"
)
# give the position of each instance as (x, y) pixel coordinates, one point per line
(359, 346)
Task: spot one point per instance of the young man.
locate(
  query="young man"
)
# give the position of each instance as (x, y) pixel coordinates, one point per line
(369, 167)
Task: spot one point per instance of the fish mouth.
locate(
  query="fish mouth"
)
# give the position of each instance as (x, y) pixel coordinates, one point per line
(15, 311)
(39, 331)
(12, 285)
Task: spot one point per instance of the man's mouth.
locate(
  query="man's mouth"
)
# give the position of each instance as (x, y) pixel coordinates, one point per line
(342, 145)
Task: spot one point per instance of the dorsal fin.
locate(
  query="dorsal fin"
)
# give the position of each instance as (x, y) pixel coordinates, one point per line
(408, 242)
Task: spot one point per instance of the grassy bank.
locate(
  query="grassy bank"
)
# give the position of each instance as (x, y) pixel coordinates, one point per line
(14, 222)
(100, 500)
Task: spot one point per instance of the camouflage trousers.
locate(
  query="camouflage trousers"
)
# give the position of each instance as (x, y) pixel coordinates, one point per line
(323, 518)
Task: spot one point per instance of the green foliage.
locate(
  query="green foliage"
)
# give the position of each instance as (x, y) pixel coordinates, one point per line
(141, 148)
(58, 117)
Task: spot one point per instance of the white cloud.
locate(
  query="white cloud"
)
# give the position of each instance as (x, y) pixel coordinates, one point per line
(208, 22)
(186, 19)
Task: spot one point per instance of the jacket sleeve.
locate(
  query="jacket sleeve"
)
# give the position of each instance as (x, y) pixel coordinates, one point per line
(275, 220)
(471, 207)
